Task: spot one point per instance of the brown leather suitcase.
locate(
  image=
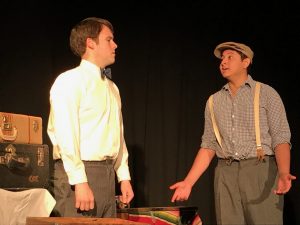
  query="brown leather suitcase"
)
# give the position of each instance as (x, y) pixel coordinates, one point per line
(19, 128)
(77, 221)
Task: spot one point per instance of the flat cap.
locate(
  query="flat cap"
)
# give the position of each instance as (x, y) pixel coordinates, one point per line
(246, 50)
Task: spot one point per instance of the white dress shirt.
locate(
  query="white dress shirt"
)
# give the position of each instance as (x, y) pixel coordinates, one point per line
(85, 122)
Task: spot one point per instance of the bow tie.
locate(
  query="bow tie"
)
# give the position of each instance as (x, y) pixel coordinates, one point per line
(106, 72)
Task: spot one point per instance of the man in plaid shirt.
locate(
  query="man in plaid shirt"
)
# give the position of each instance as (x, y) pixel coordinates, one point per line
(253, 169)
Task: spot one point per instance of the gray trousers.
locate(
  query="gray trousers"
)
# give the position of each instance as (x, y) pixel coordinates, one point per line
(244, 193)
(101, 178)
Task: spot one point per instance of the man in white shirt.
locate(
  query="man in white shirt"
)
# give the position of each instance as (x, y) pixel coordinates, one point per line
(86, 128)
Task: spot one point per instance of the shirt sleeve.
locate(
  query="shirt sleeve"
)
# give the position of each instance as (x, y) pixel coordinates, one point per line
(64, 101)
(277, 119)
(121, 165)
(209, 139)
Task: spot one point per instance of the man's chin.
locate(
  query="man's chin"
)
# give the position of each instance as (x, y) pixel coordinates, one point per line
(112, 61)
(225, 75)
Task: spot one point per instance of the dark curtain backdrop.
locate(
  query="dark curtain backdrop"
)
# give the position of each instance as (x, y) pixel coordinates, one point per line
(165, 70)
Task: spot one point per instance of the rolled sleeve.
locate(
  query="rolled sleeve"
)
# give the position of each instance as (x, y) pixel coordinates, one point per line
(277, 119)
(209, 138)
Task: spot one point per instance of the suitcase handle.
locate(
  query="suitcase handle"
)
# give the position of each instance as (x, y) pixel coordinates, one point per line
(9, 137)
(14, 161)
(17, 162)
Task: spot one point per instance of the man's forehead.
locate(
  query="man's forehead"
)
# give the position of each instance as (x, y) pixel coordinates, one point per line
(229, 52)
(106, 32)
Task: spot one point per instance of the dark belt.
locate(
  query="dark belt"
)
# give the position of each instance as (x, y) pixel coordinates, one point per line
(105, 161)
(230, 160)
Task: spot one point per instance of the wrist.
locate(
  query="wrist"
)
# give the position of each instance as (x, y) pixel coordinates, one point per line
(188, 183)
(285, 173)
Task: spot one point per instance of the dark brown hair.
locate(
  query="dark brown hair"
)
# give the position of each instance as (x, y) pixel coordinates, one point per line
(87, 28)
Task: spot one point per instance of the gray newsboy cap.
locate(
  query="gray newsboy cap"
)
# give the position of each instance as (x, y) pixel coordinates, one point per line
(234, 46)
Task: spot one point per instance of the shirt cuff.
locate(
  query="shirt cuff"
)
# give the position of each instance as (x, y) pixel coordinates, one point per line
(77, 177)
(123, 173)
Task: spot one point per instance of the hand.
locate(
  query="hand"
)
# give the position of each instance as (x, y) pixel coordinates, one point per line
(182, 191)
(284, 183)
(127, 192)
(84, 197)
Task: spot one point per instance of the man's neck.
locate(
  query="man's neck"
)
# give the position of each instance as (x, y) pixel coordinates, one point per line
(235, 84)
(91, 59)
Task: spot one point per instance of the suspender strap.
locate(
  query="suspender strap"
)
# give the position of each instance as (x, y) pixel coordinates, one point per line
(215, 127)
(259, 151)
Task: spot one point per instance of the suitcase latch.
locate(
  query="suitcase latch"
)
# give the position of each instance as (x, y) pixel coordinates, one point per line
(7, 131)
(41, 157)
(10, 149)
(35, 126)
(6, 125)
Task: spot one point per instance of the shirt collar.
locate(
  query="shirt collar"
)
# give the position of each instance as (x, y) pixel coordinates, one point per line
(249, 82)
(95, 70)
(92, 68)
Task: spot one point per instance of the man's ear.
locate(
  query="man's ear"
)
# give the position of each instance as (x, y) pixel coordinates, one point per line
(90, 43)
(246, 62)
